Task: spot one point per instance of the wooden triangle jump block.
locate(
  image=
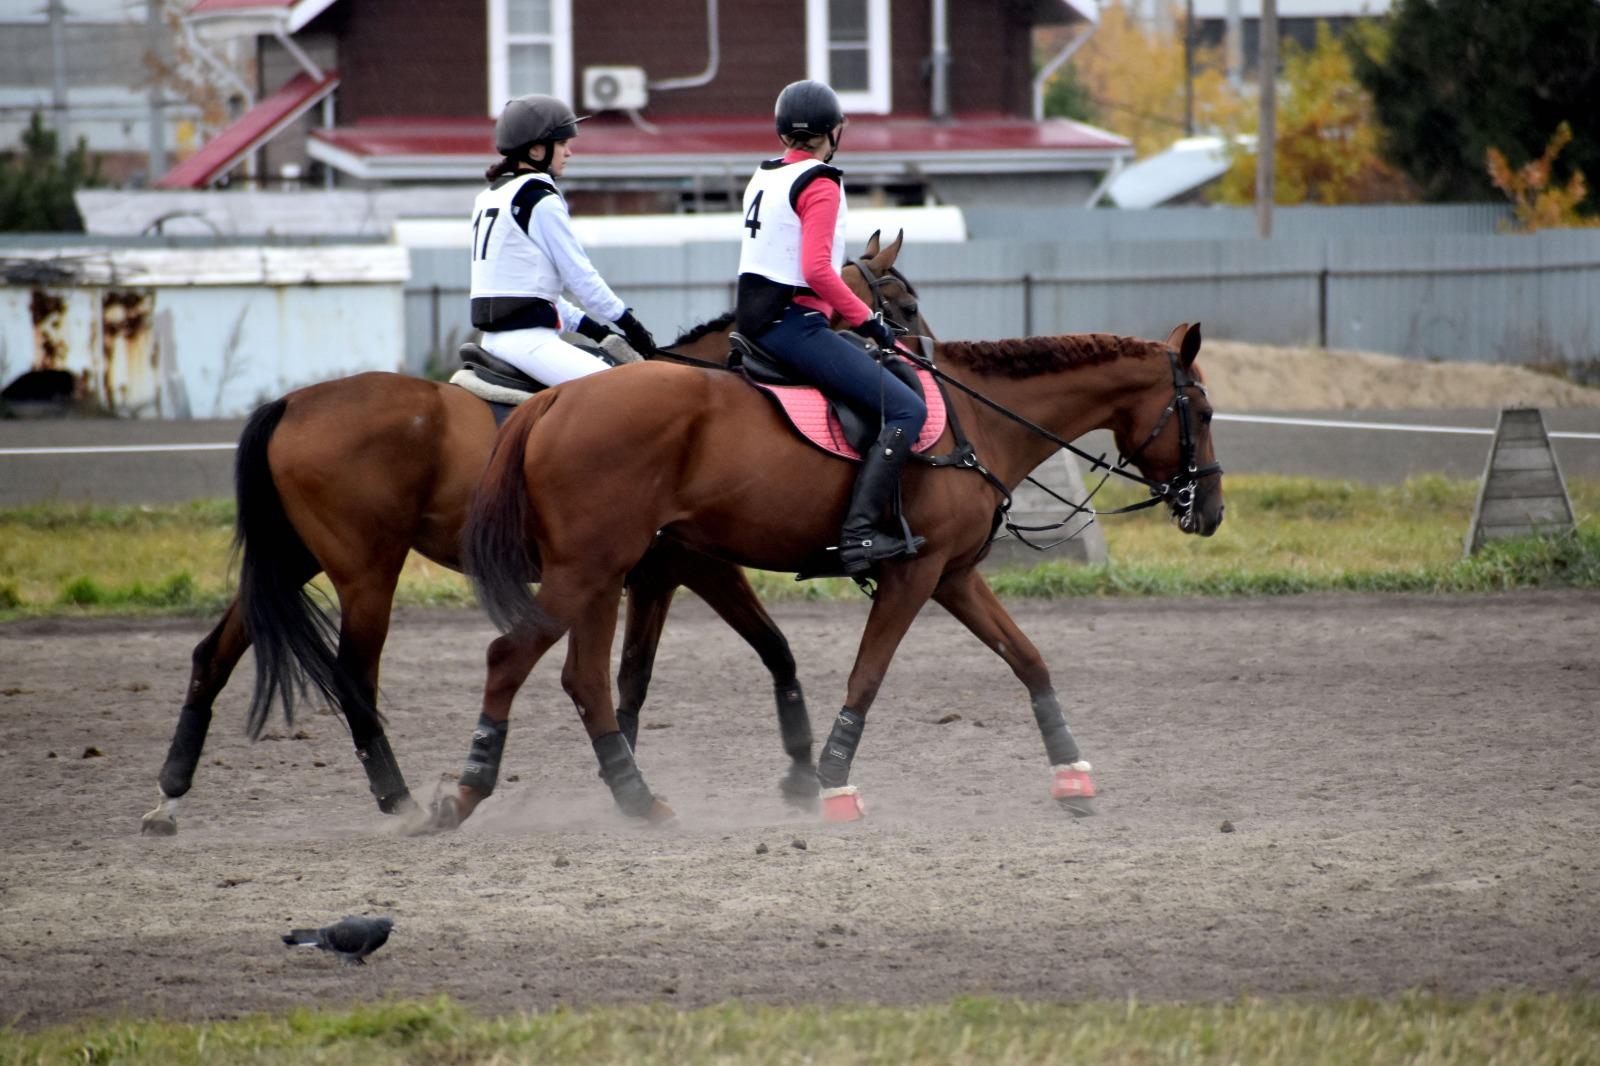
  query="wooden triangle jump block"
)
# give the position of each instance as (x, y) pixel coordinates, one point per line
(1522, 493)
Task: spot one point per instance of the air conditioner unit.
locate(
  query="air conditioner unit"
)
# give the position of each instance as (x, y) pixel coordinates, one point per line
(614, 88)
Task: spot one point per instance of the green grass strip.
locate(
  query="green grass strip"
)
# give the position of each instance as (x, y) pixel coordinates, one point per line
(1283, 535)
(1414, 1028)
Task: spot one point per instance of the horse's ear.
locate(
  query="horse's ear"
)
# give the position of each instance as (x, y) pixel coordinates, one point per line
(1175, 338)
(1191, 346)
(885, 259)
(872, 246)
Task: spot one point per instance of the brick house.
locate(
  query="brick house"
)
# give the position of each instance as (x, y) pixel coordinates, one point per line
(941, 95)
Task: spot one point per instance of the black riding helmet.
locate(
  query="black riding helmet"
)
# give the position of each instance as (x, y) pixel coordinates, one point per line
(809, 108)
(532, 120)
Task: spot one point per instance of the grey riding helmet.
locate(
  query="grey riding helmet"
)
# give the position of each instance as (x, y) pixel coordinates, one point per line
(533, 119)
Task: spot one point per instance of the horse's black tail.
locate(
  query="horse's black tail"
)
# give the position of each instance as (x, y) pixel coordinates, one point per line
(294, 641)
(497, 552)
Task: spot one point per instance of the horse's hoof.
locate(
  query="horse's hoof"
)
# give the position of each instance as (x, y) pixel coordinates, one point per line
(401, 804)
(158, 823)
(800, 786)
(843, 804)
(660, 814)
(1071, 783)
(444, 816)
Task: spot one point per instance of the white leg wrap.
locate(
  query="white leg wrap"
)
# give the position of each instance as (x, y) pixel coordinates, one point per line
(843, 790)
(1081, 764)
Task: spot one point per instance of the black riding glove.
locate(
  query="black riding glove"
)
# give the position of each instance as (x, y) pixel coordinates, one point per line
(876, 330)
(639, 338)
(595, 331)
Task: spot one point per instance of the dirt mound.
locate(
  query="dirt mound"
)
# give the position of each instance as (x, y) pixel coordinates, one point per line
(1260, 377)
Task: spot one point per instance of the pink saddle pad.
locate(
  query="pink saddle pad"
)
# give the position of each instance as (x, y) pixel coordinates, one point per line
(808, 410)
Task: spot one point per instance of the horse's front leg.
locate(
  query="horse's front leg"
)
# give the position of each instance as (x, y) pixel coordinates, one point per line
(649, 600)
(511, 657)
(365, 603)
(724, 586)
(902, 591)
(967, 596)
(213, 663)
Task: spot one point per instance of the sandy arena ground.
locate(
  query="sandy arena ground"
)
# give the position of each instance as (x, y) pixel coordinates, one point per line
(1412, 785)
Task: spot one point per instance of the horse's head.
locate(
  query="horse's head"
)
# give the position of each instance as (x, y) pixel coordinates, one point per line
(1167, 435)
(881, 287)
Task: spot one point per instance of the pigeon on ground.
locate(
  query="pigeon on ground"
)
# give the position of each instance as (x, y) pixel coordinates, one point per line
(352, 939)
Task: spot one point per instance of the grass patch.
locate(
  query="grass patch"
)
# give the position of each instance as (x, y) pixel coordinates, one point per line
(1282, 536)
(1415, 1028)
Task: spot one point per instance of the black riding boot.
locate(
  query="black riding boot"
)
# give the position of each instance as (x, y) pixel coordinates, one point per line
(868, 537)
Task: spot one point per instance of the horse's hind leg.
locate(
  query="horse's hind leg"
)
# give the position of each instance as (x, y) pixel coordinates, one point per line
(364, 608)
(725, 588)
(585, 676)
(213, 662)
(969, 598)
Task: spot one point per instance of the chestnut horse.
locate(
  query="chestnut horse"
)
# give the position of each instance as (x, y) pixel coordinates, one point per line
(347, 477)
(706, 459)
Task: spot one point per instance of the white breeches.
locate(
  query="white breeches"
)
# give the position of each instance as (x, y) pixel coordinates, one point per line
(541, 354)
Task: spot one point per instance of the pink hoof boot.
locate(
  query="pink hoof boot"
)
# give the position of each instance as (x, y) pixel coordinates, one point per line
(1073, 789)
(842, 804)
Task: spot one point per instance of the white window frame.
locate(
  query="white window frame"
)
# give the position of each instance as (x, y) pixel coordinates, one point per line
(500, 40)
(876, 99)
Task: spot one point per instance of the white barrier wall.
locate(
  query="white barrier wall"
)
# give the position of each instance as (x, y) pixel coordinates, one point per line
(200, 332)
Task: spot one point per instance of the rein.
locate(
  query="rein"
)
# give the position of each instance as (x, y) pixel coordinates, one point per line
(1178, 493)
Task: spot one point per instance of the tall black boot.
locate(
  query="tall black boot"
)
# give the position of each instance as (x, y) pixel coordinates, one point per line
(868, 537)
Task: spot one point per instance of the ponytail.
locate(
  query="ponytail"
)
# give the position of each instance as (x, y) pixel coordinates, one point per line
(506, 165)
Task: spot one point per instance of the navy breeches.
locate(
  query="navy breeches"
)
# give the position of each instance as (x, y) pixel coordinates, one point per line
(802, 341)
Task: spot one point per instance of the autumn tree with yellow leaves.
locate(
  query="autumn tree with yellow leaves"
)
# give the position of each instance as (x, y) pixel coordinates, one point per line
(1328, 137)
(1537, 202)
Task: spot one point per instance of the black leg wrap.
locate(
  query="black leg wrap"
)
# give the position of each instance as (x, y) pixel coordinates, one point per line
(628, 722)
(794, 721)
(833, 769)
(177, 773)
(620, 772)
(1058, 742)
(383, 774)
(483, 759)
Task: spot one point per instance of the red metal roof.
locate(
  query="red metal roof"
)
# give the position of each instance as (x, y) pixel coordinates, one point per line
(252, 129)
(732, 135)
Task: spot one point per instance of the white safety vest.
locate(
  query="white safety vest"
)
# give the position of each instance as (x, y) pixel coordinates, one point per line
(771, 244)
(505, 260)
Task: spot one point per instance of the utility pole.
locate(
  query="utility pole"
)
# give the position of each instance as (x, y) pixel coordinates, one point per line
(1267, 138)
(156, 41)
(57, 10)
(1188, 68)
(1233, 44)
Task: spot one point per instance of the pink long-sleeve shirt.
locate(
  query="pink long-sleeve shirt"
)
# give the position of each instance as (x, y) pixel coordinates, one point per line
(818, 208)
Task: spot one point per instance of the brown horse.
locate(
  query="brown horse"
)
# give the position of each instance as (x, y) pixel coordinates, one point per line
(348, 476)
(706, 459)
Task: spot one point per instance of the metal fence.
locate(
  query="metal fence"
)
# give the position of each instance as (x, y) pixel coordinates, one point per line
(1451, 297)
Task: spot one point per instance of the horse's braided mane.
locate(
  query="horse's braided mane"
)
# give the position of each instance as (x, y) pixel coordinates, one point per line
(1026, 357)
(716, 325)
